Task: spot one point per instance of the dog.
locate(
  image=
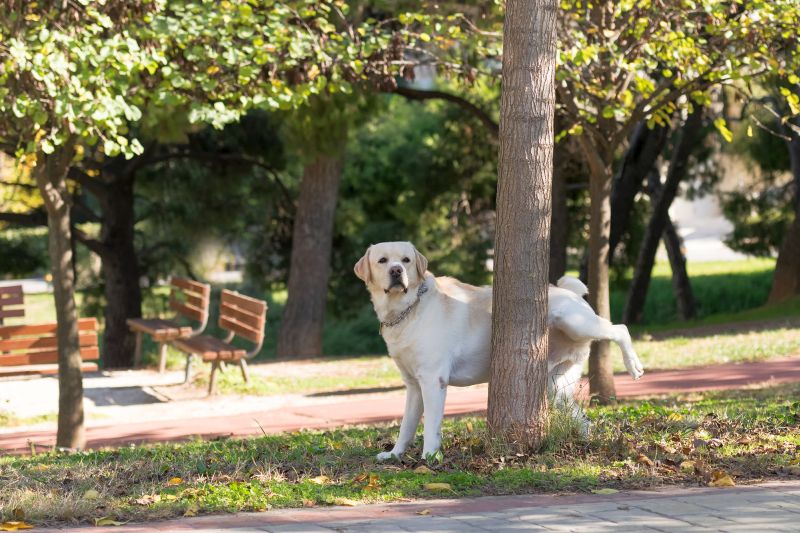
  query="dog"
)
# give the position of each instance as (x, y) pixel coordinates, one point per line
(438, 332)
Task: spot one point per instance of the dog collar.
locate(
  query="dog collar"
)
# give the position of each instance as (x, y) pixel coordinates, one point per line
(407, 311)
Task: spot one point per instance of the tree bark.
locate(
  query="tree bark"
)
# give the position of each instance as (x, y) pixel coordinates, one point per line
(637, 293)
(601, 369)
(681, 285)
(301, 328)
(517, 411)
(640, 157)
(559, 227)
(120, 273)
(786, 279)
(51, 174)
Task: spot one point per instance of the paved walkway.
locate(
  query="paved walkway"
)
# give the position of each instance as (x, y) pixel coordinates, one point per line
(773, 507)
(379, 408)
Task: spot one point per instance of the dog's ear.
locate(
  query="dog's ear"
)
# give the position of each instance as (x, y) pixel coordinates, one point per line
(362, 269)
(422, 263)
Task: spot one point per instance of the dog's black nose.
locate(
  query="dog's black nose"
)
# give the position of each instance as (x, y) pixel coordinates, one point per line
(396, 271)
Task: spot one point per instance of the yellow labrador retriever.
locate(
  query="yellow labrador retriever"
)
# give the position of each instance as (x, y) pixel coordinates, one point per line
(438, 331)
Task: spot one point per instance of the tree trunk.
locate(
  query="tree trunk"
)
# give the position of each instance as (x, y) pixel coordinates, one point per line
(643, 151)
(120, 273)
(517, 411)
(681, 286)
(786, 279)
(51, 173)
(301, 328)
(601, 369)
(637, 293)
(559, 227)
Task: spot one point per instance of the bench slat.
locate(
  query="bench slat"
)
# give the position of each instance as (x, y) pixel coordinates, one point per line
(238, 314)
(253, 335)
(187, 310)
(201, 302)
(45, 342)
(10, 289)
(84, 324)
(251, 305)
(191, 286)
(8, 300)
(11, 313)
(90, 353)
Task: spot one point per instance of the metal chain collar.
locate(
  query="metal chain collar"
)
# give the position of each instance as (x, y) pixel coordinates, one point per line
(407, 311)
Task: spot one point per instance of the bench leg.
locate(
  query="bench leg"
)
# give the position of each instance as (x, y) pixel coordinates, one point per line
(212, 381)
(245, 371)
(162, 357)
(137, 355)
(189, 359)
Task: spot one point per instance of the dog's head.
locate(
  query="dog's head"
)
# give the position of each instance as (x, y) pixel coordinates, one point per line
(392, 267)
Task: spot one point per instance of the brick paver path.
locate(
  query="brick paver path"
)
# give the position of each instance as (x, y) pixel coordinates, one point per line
(769, 507)
(382, 409)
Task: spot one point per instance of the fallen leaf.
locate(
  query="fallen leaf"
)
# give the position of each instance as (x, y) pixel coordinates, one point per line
(148, 499)
(91, 494)
(345, 501)
(374, 483)
(437, 486)
(320, 480)
(470, 427)
(14, 526)
(605, 491)
(675, 417)
(361, 477)
(174, 481)
(105, 521)
(309, 503)
(424, 512)
(687, 466)
(720, 478)
(422, 469)
(643, 459)
(191, 510)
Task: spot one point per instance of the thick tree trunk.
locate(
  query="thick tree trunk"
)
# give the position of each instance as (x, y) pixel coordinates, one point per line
(120, 274)
(517, 411)
(559, 227)
(786, 279)
(301, 328)
(643, 151)
(681, 285)
(51, 173)
(637, 293)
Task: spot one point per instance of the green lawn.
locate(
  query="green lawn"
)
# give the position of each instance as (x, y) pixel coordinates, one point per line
(748, 436)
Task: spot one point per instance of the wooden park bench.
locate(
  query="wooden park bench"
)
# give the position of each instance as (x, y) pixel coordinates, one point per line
(12, 301)
(238, 315)
(33, 348)
(189, 300)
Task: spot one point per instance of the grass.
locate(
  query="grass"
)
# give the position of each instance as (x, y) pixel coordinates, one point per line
(750, 436)
(10, 420)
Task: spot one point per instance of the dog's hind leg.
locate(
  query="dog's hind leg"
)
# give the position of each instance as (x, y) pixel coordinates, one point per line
(408, 427)
(581, 324)
(562, 382)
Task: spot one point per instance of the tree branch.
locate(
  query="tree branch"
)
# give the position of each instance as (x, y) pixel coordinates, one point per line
(91, 243)
(32, 219)
(463, 103)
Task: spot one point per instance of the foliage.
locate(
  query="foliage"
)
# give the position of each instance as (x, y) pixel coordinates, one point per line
(678, 441)
(427, 177)
(23, 253)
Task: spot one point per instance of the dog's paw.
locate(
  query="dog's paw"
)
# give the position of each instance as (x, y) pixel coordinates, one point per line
(634, 367)
(385, 456)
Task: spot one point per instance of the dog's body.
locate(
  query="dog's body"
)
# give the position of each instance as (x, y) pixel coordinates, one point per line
(438, 331)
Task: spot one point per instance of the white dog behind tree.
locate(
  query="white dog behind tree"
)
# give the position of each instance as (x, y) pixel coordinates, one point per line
(438, 330)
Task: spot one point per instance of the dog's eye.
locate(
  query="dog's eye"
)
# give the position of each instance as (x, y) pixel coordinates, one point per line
(406, 260)
(382, 260)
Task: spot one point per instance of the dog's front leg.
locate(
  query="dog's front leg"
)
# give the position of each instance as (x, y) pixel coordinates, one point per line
(434, 393)
(408, 427)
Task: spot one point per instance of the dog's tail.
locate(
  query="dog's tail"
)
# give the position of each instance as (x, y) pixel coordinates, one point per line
(574, 285)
